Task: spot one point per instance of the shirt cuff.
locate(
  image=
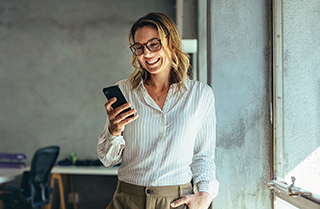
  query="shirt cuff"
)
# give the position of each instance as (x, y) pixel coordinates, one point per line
(210, 187)
(115, 140)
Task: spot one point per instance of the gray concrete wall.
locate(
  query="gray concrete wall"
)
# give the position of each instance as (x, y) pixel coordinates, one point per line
(240, 62)
(55, 58)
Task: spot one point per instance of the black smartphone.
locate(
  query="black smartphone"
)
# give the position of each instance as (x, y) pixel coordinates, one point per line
(115, 91)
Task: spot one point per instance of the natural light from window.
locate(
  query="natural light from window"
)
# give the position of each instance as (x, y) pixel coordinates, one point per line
(307, 173)
(281, 204)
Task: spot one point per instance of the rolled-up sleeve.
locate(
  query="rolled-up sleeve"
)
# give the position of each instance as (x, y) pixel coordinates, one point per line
(109, 147)
(203, 166)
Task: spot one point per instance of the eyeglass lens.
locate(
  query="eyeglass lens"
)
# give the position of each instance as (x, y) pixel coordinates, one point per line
(153, 45)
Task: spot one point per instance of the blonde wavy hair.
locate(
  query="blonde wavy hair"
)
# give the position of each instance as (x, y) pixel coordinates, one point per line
(166, 29)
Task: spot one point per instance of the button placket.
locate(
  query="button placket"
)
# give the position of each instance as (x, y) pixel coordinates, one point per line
(163, 126)
(161, 134)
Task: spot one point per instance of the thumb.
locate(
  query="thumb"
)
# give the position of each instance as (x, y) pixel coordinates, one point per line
(178, 202)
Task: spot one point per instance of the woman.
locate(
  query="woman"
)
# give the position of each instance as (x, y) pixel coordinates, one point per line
(171, 139)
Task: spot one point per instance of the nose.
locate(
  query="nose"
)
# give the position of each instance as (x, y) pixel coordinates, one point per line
(146, 51)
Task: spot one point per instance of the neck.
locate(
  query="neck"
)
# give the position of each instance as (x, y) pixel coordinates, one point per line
(158, 88)
(159, 83)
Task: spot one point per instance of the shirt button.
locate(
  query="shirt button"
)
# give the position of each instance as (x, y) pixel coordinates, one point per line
(148, 191)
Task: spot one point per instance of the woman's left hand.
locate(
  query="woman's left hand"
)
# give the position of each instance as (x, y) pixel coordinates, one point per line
(200, 200)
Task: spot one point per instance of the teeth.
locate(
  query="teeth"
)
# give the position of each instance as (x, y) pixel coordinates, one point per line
(152, 62)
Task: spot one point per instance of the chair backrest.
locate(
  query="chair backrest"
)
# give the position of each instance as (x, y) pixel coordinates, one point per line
(38, 178)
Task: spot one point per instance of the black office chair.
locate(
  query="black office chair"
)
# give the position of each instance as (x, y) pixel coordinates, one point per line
(34, 190)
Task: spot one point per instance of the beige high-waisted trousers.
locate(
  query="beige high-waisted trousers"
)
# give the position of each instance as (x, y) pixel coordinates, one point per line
(128, 196)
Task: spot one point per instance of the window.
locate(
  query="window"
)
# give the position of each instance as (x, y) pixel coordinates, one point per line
(296, 104)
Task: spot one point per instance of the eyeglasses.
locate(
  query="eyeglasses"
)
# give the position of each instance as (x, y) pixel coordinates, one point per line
(152, 45)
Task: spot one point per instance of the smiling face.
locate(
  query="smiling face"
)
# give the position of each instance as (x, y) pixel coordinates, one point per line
(156, 63)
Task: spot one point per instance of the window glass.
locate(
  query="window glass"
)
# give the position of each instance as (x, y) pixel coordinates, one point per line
(301, 61)
(281, 204)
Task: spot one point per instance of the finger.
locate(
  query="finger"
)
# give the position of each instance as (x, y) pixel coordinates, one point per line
(120, 113)
(122, 108)
(129, 120)
(179, 202)
(109, 103)
(117, 118)
(114, 118)
(126, 114)
(124, 118)
(116, 127)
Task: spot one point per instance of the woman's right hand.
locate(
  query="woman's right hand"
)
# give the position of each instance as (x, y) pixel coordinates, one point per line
(118, 121)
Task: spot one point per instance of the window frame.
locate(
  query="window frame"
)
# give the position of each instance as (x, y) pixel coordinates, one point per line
(289, 193)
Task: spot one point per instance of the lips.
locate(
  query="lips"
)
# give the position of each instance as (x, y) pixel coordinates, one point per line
(153, 62)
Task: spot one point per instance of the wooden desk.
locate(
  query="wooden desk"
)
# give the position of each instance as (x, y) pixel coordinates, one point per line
(85, 170)
(58, 171)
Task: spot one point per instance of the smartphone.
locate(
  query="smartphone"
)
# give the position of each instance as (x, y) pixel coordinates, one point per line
(115, 91)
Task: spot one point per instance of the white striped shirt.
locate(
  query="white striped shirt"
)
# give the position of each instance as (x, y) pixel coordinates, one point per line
(169, 146)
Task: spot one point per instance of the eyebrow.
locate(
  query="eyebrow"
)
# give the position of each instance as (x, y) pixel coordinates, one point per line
(147, 41)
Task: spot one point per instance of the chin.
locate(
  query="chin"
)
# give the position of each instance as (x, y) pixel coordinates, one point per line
(153, 71)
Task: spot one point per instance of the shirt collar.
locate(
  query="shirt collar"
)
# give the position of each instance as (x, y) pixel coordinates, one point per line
(140, 85)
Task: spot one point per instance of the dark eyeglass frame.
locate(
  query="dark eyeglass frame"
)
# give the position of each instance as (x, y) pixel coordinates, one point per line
(145, 45)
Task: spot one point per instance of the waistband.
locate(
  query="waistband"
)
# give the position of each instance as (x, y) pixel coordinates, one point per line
(164, 191)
